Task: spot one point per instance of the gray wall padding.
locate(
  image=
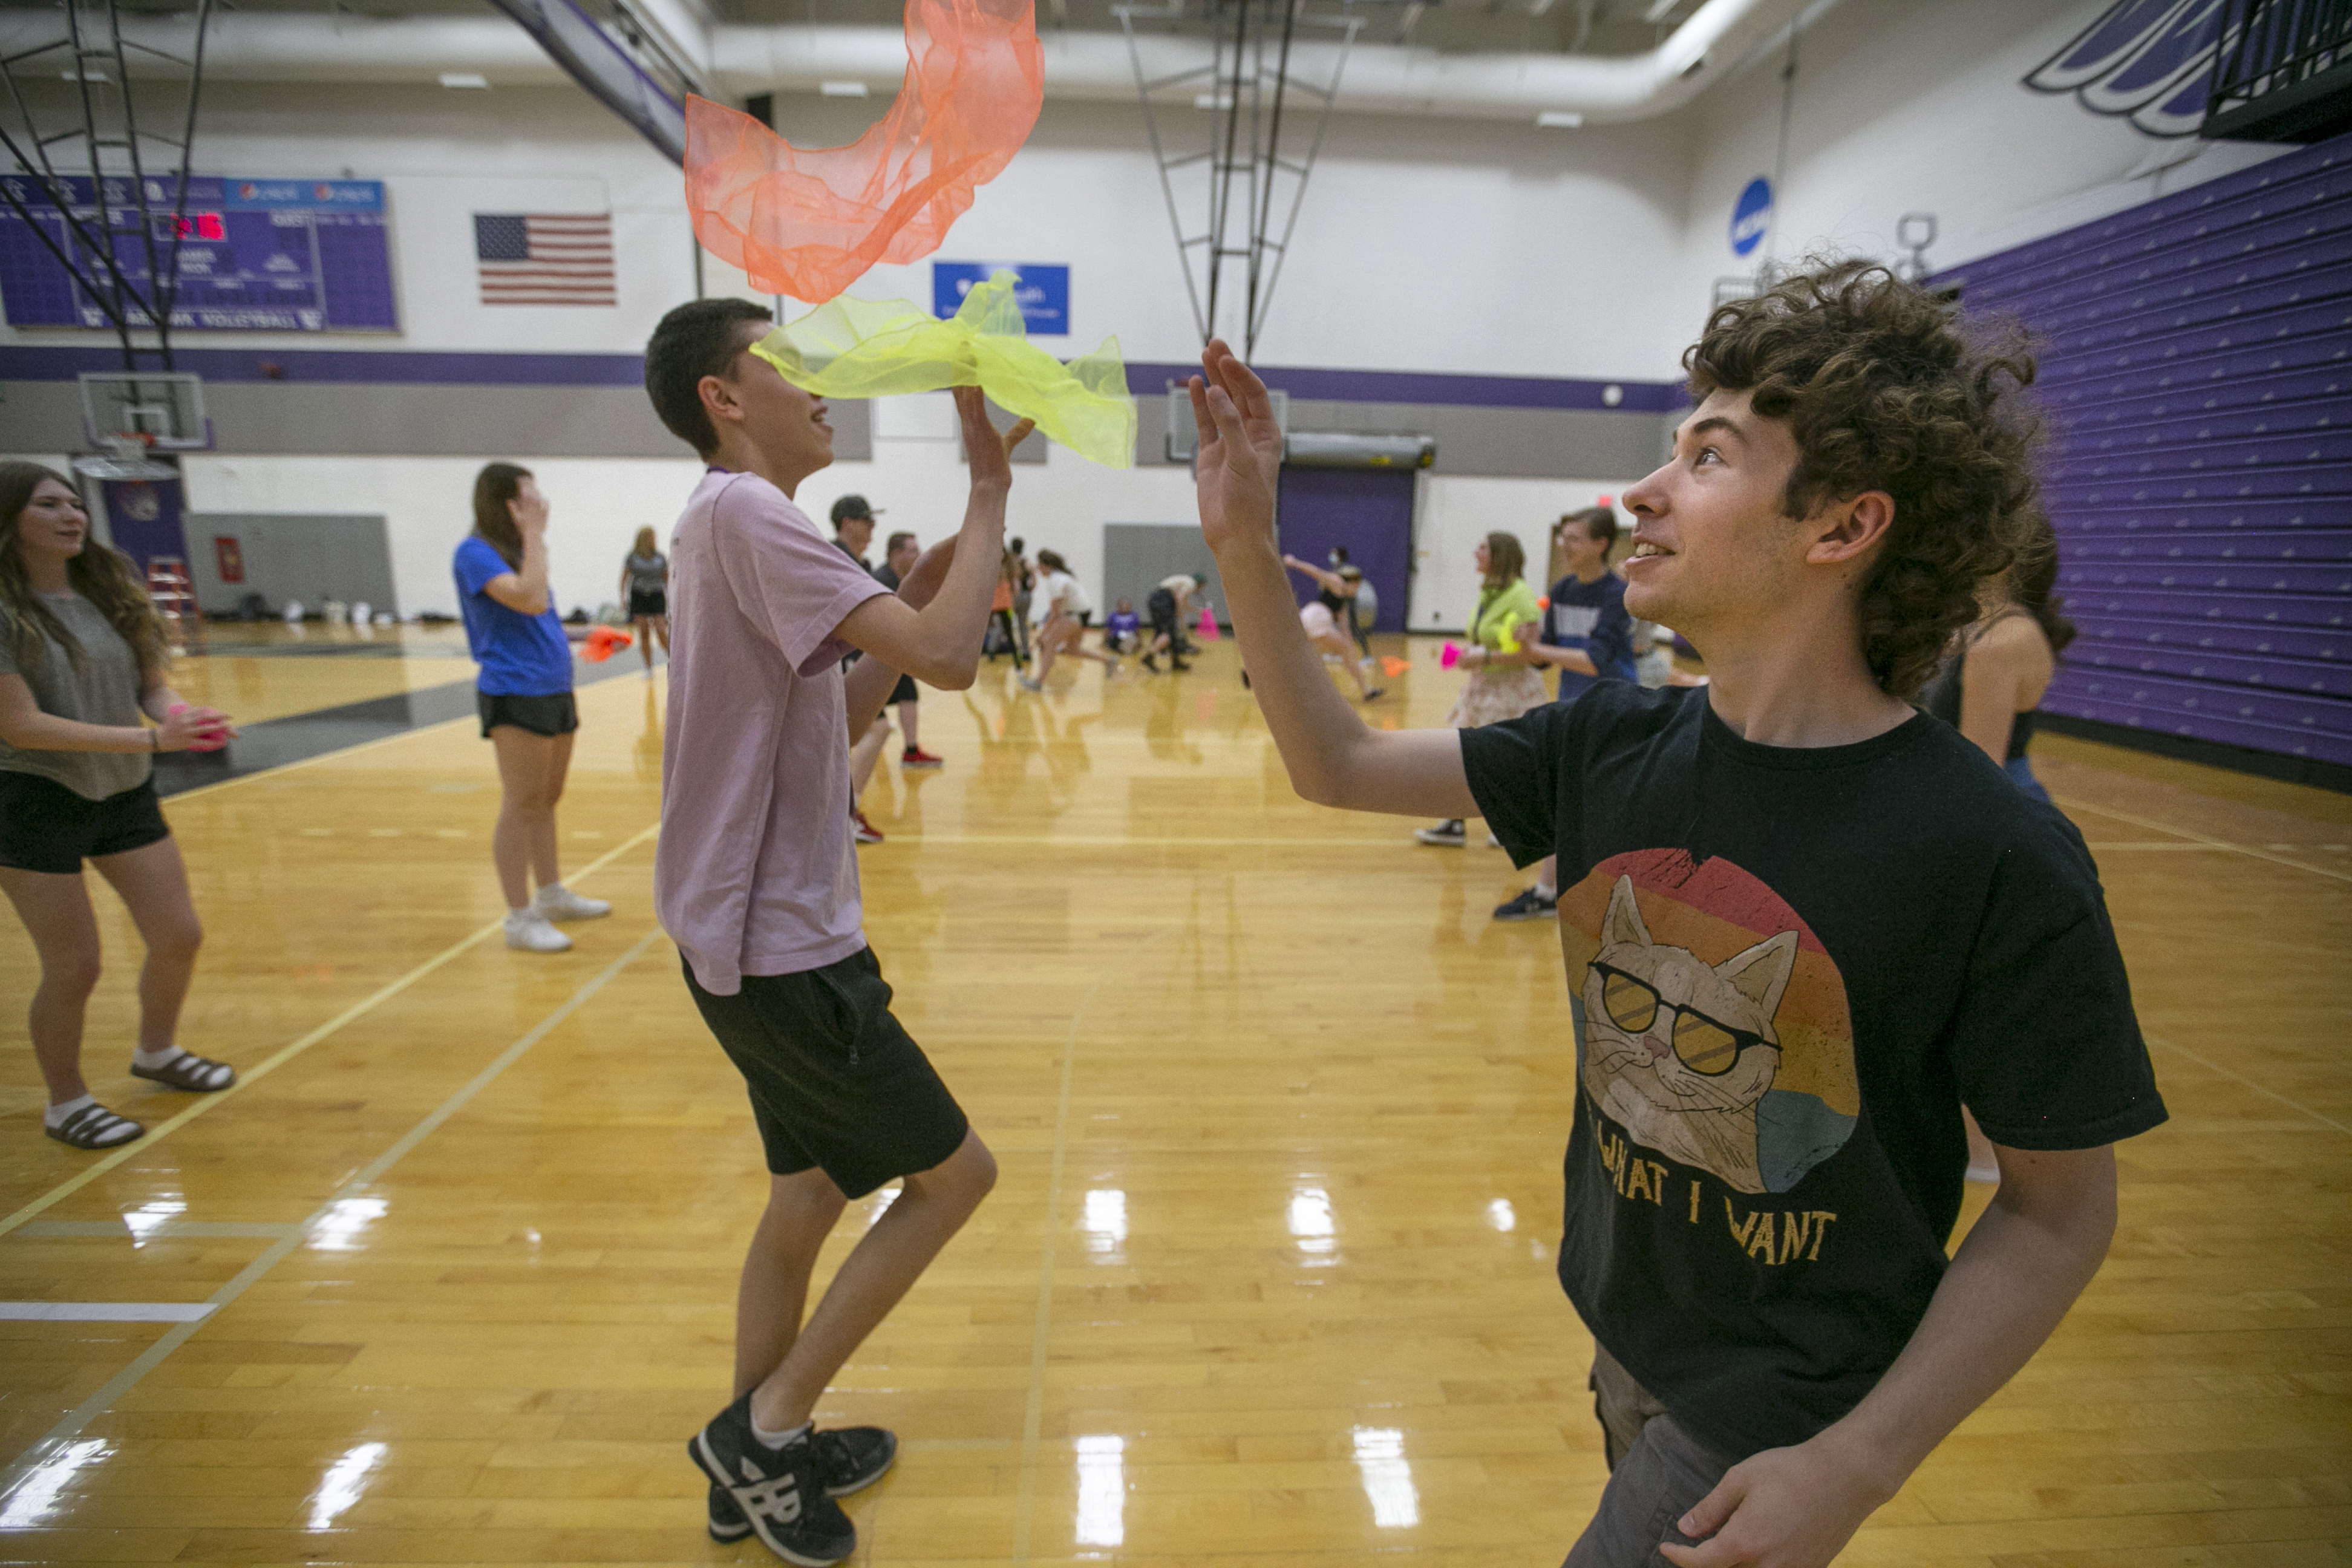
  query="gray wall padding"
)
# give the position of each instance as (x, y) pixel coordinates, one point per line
(406, 419)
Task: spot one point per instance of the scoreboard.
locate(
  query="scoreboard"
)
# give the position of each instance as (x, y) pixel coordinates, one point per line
(281, 256)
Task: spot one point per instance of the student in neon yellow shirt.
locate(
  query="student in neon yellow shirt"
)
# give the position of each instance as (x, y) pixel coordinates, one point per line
(1503, 681)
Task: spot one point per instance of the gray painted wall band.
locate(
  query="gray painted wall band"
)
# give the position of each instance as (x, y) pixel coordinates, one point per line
(411, 420)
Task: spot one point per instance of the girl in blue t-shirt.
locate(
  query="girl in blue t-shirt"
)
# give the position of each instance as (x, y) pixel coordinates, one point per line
(524, 693)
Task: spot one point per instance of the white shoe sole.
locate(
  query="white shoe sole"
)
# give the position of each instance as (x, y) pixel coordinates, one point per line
(520, 945)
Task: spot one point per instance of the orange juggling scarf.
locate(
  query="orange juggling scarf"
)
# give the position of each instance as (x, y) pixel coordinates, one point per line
(808, 222)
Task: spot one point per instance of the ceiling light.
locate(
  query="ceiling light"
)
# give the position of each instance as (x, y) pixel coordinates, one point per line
(1212, 100)
(842, 88)
(1559, 120)
(465, 78)
(1658, 9)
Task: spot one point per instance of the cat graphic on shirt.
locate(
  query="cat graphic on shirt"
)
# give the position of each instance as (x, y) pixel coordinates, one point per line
(1632, 1070)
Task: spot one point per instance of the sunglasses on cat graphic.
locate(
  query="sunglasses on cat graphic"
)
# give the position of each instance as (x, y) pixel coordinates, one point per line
(1700, 1043)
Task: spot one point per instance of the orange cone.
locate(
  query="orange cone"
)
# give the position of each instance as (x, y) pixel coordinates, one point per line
(602, 642)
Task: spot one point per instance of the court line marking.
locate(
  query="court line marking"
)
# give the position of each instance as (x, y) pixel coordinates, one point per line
(2206, 839)
(246, 1078)
(354, 748)
(34, 1458)
(1040, 1336)
(2249, 1083)
(122, 1229)
(105, 1312)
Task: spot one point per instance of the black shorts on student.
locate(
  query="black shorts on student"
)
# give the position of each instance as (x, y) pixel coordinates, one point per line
(645, 602)
(1161, 607)
(836, 1082)
(904, 691)
(45, 826)
(555, 715)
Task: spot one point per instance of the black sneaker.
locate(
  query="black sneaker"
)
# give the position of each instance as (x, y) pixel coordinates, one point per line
(1152, 663)
(851, 1459)
(1446, 834)
(1530, 905)
(848, 1459)
(1178, 664)
(780, 1492)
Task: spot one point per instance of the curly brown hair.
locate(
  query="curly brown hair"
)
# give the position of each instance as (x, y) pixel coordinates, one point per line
(1884, 391)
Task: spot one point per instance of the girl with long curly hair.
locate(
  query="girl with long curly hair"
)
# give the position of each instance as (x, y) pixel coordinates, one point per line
(86, 701)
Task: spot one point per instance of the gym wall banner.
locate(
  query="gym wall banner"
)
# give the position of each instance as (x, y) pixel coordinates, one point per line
(1751, 216)
(1044, 292)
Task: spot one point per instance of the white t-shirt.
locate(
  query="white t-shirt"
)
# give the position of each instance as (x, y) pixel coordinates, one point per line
(1058, 588)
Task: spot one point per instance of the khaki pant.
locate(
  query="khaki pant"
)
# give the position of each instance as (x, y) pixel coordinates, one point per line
(1657, 1471)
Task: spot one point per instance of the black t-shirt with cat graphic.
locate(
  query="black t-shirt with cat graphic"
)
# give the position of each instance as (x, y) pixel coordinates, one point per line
(1787, 969)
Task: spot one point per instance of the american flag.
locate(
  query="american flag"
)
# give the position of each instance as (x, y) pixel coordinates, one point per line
(545, 259)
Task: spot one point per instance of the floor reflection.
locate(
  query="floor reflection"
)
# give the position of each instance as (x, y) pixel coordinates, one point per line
(34, 1500)
(1387, 1479)
(1102, 1491)
(345, 1479)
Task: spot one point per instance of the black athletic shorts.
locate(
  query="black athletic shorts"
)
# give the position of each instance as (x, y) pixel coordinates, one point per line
(45, 826)
(556, 715)
(1162, 608)
(904, 691)
(643, 602)
(836, 1082)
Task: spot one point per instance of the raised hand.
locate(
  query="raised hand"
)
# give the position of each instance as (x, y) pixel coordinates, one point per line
(1240, 448)
(989, 454)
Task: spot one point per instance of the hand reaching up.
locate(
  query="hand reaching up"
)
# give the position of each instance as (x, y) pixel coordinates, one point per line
(1240, 450)
(990, 454)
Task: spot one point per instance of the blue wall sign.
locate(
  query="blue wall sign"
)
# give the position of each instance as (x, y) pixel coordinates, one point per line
(1044, 292)
(1751, 216)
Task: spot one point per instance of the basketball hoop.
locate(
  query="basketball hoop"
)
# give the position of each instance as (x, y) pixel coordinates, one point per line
(126, 459)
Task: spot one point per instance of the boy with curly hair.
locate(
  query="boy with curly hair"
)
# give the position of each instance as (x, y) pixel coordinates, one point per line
(1804, 924)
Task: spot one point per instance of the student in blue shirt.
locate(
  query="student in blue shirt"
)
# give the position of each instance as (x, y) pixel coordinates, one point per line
(524, 693)
(1587, 637)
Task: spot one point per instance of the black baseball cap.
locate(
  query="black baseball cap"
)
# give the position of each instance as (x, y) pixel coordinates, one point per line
(849, 506)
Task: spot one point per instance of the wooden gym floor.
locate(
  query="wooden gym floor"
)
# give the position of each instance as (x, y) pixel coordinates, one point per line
(1267, 1278)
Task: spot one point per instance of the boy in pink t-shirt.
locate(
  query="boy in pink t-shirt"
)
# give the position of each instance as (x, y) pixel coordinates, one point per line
(756, 880)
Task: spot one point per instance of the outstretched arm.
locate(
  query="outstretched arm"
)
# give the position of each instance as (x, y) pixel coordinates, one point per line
(1331, 580)
(940, 644)
(1334, 760)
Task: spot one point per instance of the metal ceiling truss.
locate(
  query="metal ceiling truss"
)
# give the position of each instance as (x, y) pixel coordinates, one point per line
(138, 176)
(1249, 83)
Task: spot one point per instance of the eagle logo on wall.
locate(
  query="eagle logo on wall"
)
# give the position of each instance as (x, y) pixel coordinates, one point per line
(2147, 61)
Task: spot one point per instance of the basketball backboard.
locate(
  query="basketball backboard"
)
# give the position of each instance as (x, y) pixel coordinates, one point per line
(162, 410)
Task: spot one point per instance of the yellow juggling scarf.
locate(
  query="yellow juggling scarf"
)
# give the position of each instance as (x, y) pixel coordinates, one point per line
(866, 348)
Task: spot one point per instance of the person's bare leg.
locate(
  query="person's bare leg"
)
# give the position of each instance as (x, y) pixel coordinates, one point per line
(523, 811)
(802, 1211)
(865, 754)
(153, 882)
(661, 630)
(556, 768)
(1047, 645)
(907, 721)
(1345, 651)
(56, 914)
(885, 1262)
(644, 627)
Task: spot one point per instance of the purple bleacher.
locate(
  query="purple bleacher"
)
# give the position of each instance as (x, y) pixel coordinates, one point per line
(2195, 362)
